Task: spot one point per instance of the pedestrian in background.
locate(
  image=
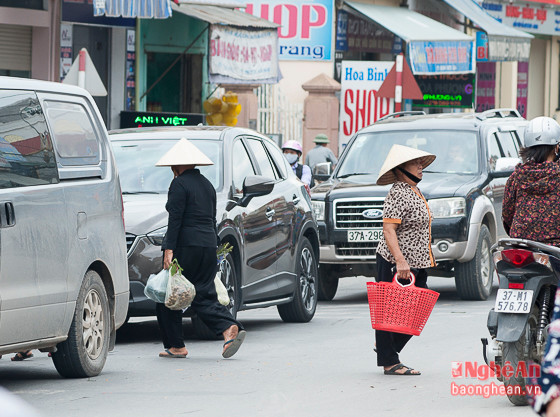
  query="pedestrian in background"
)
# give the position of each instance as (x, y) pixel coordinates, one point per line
(405, 246)
(192, 238)
(292, 152)
(320, 153)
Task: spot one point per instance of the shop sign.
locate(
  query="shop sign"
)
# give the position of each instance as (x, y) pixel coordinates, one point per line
(452, 90)
(526, 17)
(356, 34)
(66, 53)
(305, 31)
(485, 86)
(481, 46)
(242, 54)
(452, 57)
(145, 119)
(130, 72)
(522, 87)
(359, 107)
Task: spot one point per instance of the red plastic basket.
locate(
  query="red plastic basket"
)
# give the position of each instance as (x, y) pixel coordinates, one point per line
(400, 308)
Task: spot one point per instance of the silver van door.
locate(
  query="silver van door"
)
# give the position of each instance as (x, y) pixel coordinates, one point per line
(33, 230)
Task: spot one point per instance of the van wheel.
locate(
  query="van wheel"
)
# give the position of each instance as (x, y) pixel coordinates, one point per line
(229, 278)
(302, 308)
(328, 283)
(84, 353)
(474, 278)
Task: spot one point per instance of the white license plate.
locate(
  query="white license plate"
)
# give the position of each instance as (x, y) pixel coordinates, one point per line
(513, 301)
(365, 235)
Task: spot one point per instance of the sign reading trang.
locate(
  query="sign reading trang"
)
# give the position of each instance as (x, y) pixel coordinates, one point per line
(430, 58)
(243, 55)
(305, 31)
(147, 119)
(360, 106)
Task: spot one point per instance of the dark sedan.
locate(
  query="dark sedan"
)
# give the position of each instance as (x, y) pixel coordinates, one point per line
(263, 211)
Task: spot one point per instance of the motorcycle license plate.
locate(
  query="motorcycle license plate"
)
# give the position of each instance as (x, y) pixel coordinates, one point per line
(365, 235)
(513, 301)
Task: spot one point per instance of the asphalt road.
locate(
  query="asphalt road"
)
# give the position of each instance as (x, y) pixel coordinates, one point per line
(323, 368)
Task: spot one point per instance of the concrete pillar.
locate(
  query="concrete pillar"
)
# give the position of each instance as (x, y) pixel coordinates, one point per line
(506, 85)
(249, 104)
(551, 76)
(320, 111)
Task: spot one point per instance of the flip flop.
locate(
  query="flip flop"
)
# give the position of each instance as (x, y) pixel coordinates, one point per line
(169, 354)
(394, 369)
(20, 356)
(233, 345)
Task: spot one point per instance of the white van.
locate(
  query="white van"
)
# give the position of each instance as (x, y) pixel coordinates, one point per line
(63, 269)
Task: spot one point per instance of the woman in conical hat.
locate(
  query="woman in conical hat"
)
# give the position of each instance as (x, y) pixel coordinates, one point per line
(406, 243)
(192, 238)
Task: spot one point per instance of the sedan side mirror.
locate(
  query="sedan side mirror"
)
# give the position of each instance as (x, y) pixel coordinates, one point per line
(322, 171)
(253, 186)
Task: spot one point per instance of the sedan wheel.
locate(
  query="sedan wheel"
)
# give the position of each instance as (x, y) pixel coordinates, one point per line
(304, 303)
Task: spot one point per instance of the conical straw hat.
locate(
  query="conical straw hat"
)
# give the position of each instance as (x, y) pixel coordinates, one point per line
(184, 153)
(399, 154)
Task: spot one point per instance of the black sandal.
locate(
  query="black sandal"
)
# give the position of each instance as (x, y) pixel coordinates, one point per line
(394, 369)
(20, 356)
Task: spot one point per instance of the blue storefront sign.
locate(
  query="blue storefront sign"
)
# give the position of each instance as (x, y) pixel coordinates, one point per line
(306, 26)
(481, 46)
(341, 31)
(431, 58)
(81, 11)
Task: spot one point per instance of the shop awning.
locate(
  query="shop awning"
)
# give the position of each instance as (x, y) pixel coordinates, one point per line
(221, 15)
(432, 47)
(144, 9)
(504, 42)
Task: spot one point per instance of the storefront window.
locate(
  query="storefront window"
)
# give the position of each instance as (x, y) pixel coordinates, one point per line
(24, 4)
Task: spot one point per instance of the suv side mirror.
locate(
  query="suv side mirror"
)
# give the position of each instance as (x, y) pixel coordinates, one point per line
(504, 167)
(322, 171)
(253, 186)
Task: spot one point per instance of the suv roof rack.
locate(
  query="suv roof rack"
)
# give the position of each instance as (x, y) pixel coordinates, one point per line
(402, 113)
(499, 113)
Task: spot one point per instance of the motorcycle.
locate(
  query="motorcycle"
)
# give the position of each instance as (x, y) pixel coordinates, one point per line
(518, 323)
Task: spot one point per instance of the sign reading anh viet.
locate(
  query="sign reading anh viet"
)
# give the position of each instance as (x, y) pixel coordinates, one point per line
(146, 119)
(305, 31)
(360, 106)
(243, 54)
(430, 58)
(529, 18)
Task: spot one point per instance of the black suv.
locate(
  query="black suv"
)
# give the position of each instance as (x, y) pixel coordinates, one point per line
(476, 152)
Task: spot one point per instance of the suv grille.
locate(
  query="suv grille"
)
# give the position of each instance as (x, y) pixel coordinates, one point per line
(130, 238)
(356, 249)
(348, 213)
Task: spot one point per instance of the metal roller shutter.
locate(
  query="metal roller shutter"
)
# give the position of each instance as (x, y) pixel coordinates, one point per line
(15, 48)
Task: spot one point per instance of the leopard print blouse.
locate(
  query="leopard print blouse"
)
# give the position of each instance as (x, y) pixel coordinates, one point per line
(409, 209)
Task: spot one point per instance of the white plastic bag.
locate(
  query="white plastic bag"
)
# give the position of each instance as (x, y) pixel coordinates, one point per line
(221, 290)
(156, 287)
(180, 291)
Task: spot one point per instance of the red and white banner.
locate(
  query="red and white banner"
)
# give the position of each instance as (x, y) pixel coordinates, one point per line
(359, 104)
(242, 54)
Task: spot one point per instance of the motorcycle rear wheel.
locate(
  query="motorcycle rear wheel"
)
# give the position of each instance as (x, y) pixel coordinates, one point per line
(521, 351)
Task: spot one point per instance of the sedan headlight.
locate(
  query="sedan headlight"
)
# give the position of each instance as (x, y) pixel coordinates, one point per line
(447, 207)
(318, 209)
(156, 237)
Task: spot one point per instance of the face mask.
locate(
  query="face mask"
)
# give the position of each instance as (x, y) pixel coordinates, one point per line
(409, 175)
(291, 158)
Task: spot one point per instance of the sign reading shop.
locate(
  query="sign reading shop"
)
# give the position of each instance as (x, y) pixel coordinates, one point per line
(305, 31)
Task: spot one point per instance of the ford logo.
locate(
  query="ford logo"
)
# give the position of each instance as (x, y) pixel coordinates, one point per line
(372, 214)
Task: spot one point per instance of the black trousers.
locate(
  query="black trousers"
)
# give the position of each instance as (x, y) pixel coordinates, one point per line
(389, 344)
(199, 267)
